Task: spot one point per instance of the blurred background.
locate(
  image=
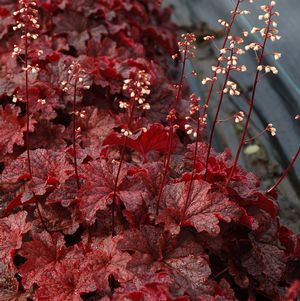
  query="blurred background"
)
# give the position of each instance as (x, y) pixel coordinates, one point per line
(277, 97)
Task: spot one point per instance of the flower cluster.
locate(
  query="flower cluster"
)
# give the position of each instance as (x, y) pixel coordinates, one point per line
(209, 79)
(230, 56)
(231, 88)
(186, 45)
(137, 89)
(76, 76)
(26, 19)
(194, 109)
(267, 69)
(27, 23)
(270, 128)
(269, 31)
(224, 23)
(239, 116)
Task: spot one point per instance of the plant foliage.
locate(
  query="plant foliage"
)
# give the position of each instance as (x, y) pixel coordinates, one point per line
(225, 243)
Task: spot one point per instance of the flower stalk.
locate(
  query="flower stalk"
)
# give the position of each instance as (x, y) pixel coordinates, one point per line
(212, 80)
(74, 135)
(201, 118)
(76, 79)
(267, 33)
(186, 46)
(217, 115)
(27, 23)
(27, 105)
(285, 173)
(137, 89)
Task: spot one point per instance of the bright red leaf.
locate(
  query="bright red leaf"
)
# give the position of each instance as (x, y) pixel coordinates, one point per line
(203, 211)
(293, 291)
(154, 139)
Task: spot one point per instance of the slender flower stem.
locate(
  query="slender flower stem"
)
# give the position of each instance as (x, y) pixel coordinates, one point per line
(216, 117)
(28, 128)
(116, 186)
(179, 90)
(74, 134)
(254, 137)
(225, 120)
(285, 173)
(40, 215)
(190, 187)
(166, 169)
(119, 170)
(228, 31)
(27, 107)
(171, 133)
(26, 35)
(251, 105)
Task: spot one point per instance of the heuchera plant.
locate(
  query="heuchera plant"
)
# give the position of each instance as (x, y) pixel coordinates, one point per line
(105, 195)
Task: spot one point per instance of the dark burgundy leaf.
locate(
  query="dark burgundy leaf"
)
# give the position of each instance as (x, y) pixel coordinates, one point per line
(266, 264)
(106, 260)
(65, 193)
(46, 165)
(190, 273)
(65, 282)
(48, 135)
(147, 240)
(95, 127)
(12, 129)
(12, 229)
(96, 193)
(164, 37)
(8, 283)
(57, 218)
(150, 287)
(42, 253)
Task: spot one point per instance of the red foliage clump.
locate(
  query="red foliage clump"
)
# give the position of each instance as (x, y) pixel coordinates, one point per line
(209, 241)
